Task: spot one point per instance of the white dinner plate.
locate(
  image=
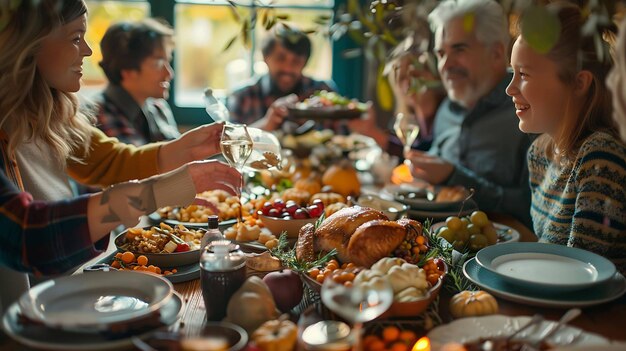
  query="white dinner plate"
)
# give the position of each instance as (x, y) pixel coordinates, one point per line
(43, 338)
(594, 295)
(546, 266)
(472, 328)
(91, 302)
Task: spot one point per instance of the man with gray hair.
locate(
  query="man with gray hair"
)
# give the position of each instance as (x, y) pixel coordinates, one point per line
(477, 142)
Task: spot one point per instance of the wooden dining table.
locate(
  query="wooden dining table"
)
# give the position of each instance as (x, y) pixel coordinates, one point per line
(607, 320)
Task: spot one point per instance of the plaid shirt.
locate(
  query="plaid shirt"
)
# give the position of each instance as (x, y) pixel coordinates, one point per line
(37, 236)
(120, 116)
(250, 103)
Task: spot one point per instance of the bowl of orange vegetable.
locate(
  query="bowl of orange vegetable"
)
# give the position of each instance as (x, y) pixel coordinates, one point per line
(435, 270)
(163, 245)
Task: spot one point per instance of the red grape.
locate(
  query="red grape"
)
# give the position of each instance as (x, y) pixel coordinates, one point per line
(279, 204)
(266, 208)
(301, 213)
(319, 203)
(274, 213)
(315, 210)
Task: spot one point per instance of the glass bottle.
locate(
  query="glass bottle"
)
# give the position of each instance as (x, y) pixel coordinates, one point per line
(214, 107)
(212, 233)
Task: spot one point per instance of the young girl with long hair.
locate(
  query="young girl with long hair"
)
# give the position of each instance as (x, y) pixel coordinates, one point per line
(578, 165)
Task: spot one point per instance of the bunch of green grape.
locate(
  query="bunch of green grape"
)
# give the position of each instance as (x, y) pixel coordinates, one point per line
(474, 232)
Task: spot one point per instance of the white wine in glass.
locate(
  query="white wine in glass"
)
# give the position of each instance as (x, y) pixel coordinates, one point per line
(236, 152)
(236, 145)
(407, 130)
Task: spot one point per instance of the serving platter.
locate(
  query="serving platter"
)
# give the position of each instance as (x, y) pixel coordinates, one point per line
(595, 295)
(546, 266)
(324, 113)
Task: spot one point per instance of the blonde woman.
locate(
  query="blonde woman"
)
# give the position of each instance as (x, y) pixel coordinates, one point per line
(44, 137)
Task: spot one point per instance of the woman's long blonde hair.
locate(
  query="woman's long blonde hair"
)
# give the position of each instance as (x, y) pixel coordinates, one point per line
(30, 109)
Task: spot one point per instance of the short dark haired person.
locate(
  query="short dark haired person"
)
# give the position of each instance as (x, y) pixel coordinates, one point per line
(286, 53)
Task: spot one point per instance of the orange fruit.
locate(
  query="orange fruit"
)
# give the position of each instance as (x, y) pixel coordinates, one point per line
(376, 345)
(391, 333)
(142, 260)
(128, 257)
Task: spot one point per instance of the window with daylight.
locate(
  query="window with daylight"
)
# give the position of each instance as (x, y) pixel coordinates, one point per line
(204, 29)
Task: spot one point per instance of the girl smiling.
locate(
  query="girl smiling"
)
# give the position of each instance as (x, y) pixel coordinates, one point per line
(578, 166)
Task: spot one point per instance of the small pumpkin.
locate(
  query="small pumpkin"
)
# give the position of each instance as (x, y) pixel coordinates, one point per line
(343, 179)
(276, 335)
(473, 303)
(310, 184)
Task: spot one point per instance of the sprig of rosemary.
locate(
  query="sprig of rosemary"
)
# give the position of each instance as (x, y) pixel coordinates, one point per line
(287, 256)
(455, 280)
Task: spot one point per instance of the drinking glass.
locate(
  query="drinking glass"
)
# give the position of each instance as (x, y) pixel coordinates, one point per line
(357, 303)
(407, 130)
(236, 145)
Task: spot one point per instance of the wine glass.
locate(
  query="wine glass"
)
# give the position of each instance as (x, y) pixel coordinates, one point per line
(236, 145)
(357, 303)
(407, 130)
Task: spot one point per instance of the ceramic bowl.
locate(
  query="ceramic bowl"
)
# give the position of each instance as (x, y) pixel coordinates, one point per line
(397, 309)
(392, 209)
(163, 260)
(290, 226)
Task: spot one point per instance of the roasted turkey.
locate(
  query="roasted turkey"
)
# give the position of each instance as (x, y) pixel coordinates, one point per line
(361, 235)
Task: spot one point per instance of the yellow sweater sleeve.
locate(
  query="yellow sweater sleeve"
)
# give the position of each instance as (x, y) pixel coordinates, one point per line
(110, 161)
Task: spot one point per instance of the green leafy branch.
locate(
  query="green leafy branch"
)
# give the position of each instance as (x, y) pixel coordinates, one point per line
(287, 255)
(455, 279)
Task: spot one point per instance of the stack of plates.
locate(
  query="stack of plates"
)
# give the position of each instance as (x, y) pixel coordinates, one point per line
(422, 205)
(98, 310)
(545, 275)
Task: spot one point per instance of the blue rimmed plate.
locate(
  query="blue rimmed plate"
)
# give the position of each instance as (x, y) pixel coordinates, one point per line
(485, 279)
(546, 266)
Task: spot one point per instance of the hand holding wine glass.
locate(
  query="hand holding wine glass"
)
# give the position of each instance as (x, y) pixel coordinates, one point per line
(358, 303)
(407, 129)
